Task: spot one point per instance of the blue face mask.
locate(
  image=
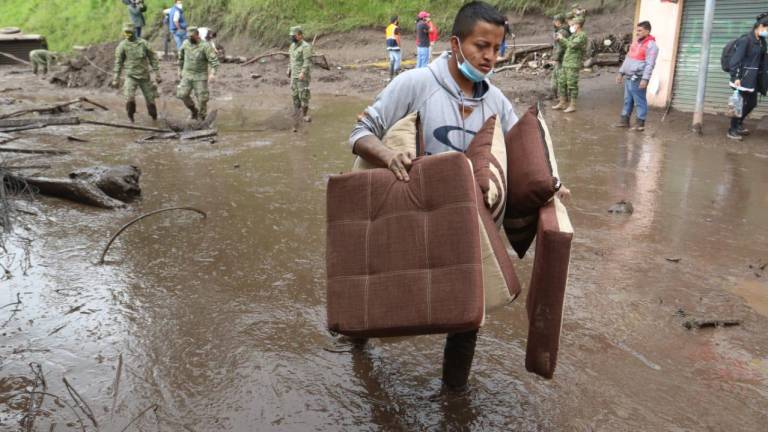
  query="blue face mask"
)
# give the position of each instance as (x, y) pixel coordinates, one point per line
(470, 72)
(764, 33)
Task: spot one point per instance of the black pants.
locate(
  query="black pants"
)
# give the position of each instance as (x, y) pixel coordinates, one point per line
(750, 102)
(457, 358)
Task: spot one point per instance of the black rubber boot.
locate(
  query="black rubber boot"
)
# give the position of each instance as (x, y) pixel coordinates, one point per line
(640, 125)
(623, 122)
(130, 109)
(152, 110)
(457, 359)
(741, 130)
(305, 113)
(190, 104)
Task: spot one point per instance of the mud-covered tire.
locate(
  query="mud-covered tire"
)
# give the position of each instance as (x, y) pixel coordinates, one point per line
(10, 30)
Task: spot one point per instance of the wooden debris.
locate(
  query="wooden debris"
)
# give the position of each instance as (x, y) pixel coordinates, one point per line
(10, 89)
(694, 323)
(124, 126)
(74, 138)
(47, 121)
(195, 135)
(74, 190)
(33, 151)
(607, 59)
(53, 109)
(317, 59)
(13, 57)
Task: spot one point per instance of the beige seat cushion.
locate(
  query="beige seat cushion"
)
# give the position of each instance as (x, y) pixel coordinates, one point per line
(401, 137)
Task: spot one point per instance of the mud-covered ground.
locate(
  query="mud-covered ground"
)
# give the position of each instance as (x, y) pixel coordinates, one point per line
(219, 324)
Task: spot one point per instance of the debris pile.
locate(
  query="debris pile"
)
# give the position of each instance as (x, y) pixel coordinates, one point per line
(90, 67)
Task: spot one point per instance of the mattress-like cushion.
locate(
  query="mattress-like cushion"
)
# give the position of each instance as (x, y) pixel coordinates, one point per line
(531, 178)
(396, 263)
(547, 293)
(402, 137)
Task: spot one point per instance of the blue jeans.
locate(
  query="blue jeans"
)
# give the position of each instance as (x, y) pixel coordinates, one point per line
(179, 36)
(137, 32)
(634, 95)
(422, 57)
(394, 61)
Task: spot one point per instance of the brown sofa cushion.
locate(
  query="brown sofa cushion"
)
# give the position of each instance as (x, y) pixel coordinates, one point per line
(488, 153)
(396, 265)
(548, 282)
(531, 177)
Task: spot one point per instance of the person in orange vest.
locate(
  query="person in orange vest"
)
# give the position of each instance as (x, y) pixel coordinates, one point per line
(393, 46)
(635, 73)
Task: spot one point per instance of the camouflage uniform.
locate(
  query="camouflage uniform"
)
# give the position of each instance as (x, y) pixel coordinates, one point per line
(558, 52)
(301, 61)
(41, 58)
(194, 61)
(568, 83)
(136, 57)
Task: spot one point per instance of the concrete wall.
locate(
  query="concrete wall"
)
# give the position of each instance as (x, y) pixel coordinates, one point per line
(665, 20)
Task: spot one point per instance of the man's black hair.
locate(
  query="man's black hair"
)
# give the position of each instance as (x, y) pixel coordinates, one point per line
(762, 19)
(394, 19)
(473, 12)
(645, 24)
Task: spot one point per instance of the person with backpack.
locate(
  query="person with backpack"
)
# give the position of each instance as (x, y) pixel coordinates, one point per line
(177, 24)
(746, 60)
(136, 9)
(635, 73)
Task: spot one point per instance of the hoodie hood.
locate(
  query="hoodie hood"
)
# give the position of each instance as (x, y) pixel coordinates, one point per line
(442, 74)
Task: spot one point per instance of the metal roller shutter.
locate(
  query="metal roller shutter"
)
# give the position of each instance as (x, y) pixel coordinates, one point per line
(733, 18)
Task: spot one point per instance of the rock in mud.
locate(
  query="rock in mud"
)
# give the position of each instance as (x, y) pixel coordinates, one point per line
(622, 207)
(120, 182)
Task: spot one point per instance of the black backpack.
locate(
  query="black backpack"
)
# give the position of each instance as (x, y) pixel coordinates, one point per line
(725, 57)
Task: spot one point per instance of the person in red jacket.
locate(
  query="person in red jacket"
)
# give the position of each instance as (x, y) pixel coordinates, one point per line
(433, 34)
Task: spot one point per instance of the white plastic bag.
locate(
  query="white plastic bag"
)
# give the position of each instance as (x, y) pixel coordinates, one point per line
(735, 105)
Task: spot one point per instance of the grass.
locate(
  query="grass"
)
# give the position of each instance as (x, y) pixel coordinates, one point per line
(79, 22)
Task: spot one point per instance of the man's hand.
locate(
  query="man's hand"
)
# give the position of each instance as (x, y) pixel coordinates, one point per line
(400, 164)
(564, 194)
(643, 84)
(738, 83)
(619, 78)
(211, 76)
(301, 76)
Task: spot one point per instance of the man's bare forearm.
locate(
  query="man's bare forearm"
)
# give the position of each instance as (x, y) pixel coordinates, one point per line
(373, 150)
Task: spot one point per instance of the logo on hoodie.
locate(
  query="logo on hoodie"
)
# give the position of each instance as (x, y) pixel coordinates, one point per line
(441, 135)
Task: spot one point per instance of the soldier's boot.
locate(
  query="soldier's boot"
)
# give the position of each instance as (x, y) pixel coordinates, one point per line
(296, 116)
(572, 107)
(563, 103)
(190, 104)
(152, 110)
(305, 113)
(623, 123)
(130, 109)
(640, 125)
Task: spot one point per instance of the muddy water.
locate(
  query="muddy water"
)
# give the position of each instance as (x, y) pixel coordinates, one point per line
(220, 322)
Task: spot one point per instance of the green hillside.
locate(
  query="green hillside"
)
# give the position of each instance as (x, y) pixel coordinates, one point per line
(69, 22)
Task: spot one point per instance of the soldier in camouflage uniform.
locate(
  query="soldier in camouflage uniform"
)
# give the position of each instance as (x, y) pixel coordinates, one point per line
(196, 56)
(558, 51)
(136, 57)
(575, 46)
(41, 58)
(301, 60)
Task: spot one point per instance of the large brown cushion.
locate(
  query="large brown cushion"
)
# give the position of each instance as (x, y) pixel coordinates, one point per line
(547, 293)
(396, 263)
(531, 178)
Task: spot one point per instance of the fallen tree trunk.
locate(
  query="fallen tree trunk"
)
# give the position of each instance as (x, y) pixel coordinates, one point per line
(607, 59)
(200, 134)
(74, 190)
(13, 57)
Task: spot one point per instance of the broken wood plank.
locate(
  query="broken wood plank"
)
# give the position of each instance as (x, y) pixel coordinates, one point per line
(32, 151)
(124, 126)
(47, 121)
(200, 134)
(13, 57)
(23, 128)
(53, 109)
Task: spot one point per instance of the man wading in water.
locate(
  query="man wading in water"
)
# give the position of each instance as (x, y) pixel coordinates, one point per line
(454, 99)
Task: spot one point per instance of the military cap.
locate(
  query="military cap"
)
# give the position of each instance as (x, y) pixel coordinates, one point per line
(296, 30)
(128, 28)
(579, 20)
(558, 17)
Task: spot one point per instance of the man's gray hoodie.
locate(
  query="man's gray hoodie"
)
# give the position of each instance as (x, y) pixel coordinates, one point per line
(433, 92)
